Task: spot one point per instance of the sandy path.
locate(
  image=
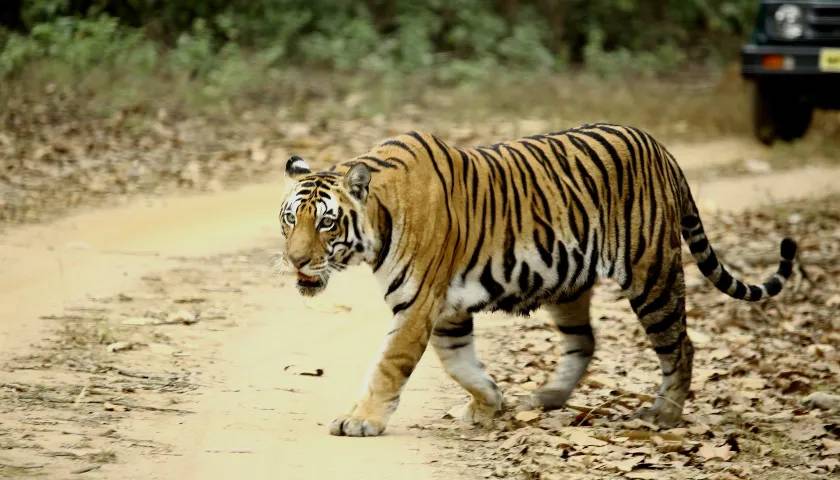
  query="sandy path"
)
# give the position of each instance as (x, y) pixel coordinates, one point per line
(247, 423)
(257, 418)
(104, 252)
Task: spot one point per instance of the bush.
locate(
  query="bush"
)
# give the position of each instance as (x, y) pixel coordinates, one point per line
(79, 43)
(456, 36)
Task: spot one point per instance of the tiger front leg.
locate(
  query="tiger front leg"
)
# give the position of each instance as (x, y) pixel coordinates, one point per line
(452, 339)
(404, 345)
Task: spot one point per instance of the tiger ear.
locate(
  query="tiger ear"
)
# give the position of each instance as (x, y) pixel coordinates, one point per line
(297, 167)
(356, 180)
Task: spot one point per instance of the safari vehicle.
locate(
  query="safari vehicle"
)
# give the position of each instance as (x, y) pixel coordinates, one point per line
(794, 59)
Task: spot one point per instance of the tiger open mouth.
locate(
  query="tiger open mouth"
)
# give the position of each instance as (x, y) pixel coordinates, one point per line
(310, 285)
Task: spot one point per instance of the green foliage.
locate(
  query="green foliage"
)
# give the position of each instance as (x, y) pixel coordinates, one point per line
(458, 39)
(79, 43)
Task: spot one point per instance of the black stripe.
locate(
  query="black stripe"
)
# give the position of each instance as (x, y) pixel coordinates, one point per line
(474, 170)
(740, 290)
(708, 265)
(459, 330)
(465, 168)
(397, 282)
(725, 281)
(524, 276)
(665, 293)
(585, 330)
(477, 249)
(596, 160)
(401, 145)
(613, 153)
(788, 249)
(755, 292)
(396, 160)
(536, 284)
(652, 275)
(785, 268)
(440, 177)
(773, 286)
(489, 283)
(690, 222)
(544, 252)
(509, 258)
(354, 222)
(445, 149)
(562, 264)
(578, 351)
(539, 154)
(385, 231)
(579, 261)
(407, 368)
(378, 161)
(668, 320)
(517, 161)
(402, 306)
(699, 246)
(671, 348)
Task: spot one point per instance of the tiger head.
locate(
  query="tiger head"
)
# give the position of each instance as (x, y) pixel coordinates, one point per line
(325, 222)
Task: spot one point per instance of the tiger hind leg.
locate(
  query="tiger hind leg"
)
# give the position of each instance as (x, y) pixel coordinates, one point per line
(452, 339)
(660, 307)
(572, 320)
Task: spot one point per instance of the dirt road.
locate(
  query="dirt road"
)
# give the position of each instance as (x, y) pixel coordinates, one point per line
(156, 340)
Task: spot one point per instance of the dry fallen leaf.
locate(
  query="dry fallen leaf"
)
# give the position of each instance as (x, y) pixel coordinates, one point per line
(119, 346)
(626, 465)
(182, 316)
(457, 411)
(528, 415)
(644, 475)
(830, 447)
(112, 407)
(802, 432)
(710, 451)
(581, 439)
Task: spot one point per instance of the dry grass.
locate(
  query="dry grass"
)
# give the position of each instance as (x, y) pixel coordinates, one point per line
(70, 139)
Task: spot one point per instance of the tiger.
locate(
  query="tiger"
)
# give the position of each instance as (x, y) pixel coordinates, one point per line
(452, 231)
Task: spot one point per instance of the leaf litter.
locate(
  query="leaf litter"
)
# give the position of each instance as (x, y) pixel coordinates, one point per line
(765, 392)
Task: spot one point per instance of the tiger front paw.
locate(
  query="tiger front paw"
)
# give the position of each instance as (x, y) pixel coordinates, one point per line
(348, 425)
(477, 413)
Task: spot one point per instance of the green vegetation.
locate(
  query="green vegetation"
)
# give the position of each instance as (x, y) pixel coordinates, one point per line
(217, 41)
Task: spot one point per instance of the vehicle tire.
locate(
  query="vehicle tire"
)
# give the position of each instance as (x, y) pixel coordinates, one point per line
(777, 114)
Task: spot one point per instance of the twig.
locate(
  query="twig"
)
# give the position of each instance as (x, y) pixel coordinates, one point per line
(290, 390)
(81, 395)
(762, 314)
(127, 373)
(20, 467)
(86, 469)
(598, 408)
(587, 410)
(153, 409)
(126, 405)
(622, 392)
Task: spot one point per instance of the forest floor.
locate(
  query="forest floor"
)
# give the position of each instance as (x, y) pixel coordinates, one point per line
(150, 334)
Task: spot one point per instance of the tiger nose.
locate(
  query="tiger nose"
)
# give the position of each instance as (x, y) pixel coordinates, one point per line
(299, 261)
